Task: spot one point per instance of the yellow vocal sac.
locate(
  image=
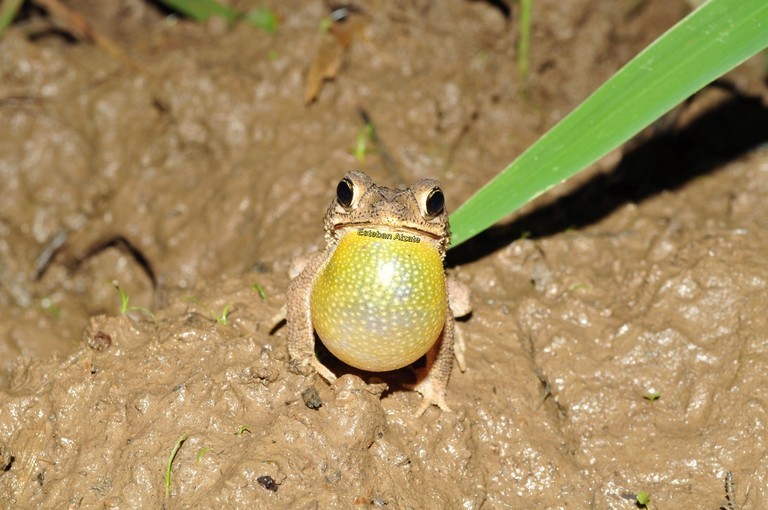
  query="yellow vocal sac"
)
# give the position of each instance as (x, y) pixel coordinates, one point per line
(379, 304)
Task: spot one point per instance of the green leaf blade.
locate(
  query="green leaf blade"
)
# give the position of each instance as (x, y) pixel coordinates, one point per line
(201, 10)
(709, 42)
(8, 11)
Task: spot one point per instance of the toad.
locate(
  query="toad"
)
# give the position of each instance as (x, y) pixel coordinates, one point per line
(378, 295)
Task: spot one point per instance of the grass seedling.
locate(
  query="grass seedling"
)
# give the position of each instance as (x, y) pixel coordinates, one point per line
(124, 308)
(256, 287)
(123, 298)
(652, 396)
(325, 24)
(644, 500)
(361, 149)
(243, 428)
(175, 450)
(221, 318)
(709, 42)
(200, 454)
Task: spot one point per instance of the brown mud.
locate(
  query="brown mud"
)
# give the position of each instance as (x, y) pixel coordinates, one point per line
(195, 174)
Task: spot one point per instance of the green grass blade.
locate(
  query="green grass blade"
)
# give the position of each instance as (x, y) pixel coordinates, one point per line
(709, 42)
(183, 437)
(8, 11)
(201, 10)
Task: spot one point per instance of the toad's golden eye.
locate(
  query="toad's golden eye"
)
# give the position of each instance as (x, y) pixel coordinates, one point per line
(435, 202)
(344, 192)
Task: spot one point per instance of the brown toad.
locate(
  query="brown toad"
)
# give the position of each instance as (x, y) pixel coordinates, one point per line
(378, 296)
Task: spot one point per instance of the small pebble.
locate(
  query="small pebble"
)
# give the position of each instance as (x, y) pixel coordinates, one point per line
(311, 398)
(267, 482)
(100, 341)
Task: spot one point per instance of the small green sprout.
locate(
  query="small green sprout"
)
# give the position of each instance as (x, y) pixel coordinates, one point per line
(256, 287)
(124, 308)
(361, 149)
(325, 24)
(200, 453)
(243, 428)
(644, 499)
(221, 318)
(175, 450)
(652, 396)
(123, 298)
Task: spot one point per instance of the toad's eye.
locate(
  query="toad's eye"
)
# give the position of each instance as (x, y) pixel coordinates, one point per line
(435, 202)
(344, 192)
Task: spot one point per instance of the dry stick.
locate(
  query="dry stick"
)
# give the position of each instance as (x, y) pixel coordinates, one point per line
(729, 492)
(81, 28)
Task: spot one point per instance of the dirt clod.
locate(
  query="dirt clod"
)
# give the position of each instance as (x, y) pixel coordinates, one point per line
(268, 483)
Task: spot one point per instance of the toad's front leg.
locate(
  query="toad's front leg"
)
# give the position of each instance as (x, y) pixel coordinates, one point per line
(301, 333)
(433, 386)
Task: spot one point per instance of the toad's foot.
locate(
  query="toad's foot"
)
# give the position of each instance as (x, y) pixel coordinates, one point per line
(322, 370)
(307, 365)
(432, 392)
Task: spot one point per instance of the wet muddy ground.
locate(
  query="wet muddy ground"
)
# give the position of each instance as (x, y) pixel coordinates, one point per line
(619, 339)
